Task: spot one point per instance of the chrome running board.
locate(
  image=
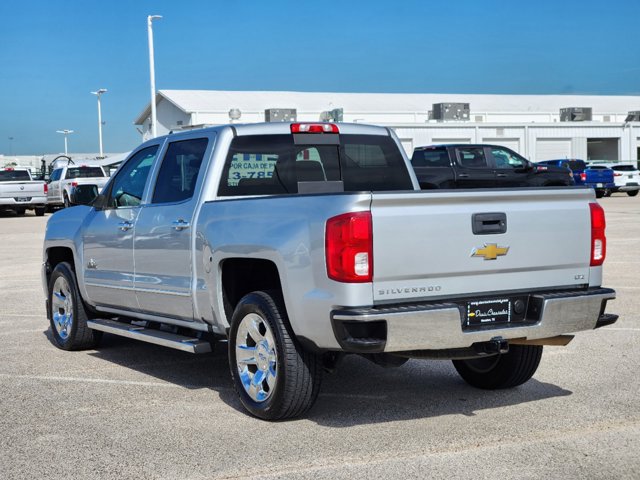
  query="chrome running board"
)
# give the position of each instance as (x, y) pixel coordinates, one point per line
(151, 335)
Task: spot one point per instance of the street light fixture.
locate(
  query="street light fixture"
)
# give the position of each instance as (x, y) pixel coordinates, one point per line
(98, 93)
(66, 133)
(152, 73)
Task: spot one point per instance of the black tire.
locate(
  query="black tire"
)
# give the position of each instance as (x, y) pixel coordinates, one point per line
(600, 193)
(40, 211)
(20, 211)
(298, 372)
(632, 193)
(65, 199)
(76, 335)
(501, 371)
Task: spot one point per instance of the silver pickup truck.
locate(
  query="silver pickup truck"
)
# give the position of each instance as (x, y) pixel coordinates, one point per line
(300, 243)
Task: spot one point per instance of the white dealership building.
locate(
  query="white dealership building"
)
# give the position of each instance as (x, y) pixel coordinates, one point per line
(540, 127)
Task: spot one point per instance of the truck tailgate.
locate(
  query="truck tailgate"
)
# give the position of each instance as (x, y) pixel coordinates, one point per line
(597, 175)
(21, 189)
(424, 245)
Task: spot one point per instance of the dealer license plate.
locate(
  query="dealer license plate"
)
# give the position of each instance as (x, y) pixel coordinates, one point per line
(488, 312)
(23, 199)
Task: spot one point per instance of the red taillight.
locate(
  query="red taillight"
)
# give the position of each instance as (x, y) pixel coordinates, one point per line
(349, 247)
(598, 239)
(583, 177)
(46, 188)
(617, 174)
(314, 128)
(74, 184)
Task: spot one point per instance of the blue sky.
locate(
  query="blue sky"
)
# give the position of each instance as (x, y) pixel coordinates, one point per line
(53, 53)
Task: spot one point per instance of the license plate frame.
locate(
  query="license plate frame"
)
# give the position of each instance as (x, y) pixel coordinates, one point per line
(491, 311)
(600, 185)
(22, 199)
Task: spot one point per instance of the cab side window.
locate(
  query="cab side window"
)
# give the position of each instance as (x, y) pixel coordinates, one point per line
(179, 171)
(472, 157)
(55, 175)
(128, 186)
(507, 159)
(438, 157)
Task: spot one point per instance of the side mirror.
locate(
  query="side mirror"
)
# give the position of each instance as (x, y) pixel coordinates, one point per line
(83, 195)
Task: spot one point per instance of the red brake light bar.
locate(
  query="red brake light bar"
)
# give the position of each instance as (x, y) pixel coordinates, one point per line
(349, 247)
(314, 128)
(598, 239)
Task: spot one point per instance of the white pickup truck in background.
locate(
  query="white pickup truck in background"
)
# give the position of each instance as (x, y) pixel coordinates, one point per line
(19, 192)
(64, 179)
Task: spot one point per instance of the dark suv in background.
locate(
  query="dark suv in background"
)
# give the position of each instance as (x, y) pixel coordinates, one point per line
(482, 166)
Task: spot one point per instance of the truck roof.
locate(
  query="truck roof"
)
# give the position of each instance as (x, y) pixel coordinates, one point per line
(447, 145)
(280, 128)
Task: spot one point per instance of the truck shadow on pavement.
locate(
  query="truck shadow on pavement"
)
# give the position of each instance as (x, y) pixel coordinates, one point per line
(358, 393)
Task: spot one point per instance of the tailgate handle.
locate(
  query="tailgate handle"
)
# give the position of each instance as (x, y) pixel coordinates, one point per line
(489, 223)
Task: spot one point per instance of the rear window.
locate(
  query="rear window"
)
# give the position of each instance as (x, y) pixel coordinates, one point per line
(430, 158)
(275, 164)
(624, 168)
(574, 164)
(84, 172)
(14, 176)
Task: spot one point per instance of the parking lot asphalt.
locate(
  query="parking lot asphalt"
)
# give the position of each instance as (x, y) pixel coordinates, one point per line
(134, 410)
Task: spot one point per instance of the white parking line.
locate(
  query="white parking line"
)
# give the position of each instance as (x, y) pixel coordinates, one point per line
(621, 329)
(16, 332)
(106, 381)
(27, 315)
(96, 380)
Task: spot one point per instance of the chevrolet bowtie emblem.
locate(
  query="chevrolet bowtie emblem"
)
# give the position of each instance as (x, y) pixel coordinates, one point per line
(490, 251)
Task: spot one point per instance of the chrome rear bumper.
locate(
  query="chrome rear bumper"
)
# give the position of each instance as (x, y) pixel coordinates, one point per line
(440, 326)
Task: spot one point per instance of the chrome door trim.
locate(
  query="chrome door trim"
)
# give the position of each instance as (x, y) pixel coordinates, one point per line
(164, 292)
(100, 285)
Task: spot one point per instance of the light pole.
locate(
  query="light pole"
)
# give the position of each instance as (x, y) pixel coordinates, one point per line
(65, 132)
(98, 93)
(152, 73)
(10, 146)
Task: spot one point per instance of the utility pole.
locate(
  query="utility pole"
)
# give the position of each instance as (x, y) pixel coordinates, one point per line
(152, 73)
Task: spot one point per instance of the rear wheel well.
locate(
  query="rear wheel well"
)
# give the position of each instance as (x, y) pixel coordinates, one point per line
(241, 276)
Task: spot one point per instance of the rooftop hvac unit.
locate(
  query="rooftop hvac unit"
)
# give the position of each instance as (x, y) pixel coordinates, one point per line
(633, 116)
(280, 115)
(575, 114)
(450, 111)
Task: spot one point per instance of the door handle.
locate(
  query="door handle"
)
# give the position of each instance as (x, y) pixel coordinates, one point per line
(124, 226)
(501, 174)
(463, 175)
(180, 225)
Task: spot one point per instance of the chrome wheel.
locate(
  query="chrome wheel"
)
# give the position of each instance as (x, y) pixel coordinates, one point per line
(256, 357)
(62, 307)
